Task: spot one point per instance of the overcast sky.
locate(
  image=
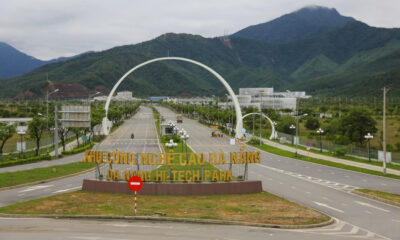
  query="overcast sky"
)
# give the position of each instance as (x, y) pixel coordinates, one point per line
(48, 29)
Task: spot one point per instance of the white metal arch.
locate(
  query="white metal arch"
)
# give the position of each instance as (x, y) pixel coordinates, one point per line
(273, 133)
(239, 125)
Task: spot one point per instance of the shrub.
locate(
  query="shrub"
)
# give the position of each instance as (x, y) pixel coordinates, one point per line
(340, 151)
(78, 150)
(25, 160)
(166, 138)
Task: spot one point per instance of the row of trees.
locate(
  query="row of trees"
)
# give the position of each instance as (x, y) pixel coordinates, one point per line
(349, 129)
(39, 125)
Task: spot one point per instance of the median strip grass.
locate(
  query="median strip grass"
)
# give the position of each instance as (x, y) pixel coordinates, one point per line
(285, 153)
(255, 208)
(395, 198)
(20, 177)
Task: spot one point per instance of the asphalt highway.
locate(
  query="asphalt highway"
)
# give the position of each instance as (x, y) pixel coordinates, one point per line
(324, 188)
(143, 127)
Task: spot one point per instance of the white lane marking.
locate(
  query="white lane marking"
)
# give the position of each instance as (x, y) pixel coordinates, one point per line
(138, 225)
(68, 189)
(325, 198)
(327, 206)
(395, 220)
(308, 192)
(370, 205)
(281, 183)
(35, 188)
(383, 184)
(367, 212)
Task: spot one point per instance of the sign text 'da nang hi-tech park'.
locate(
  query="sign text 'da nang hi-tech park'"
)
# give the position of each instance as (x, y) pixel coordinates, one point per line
(177, 167)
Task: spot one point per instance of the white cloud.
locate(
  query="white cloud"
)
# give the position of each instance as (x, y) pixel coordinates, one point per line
(48, 29)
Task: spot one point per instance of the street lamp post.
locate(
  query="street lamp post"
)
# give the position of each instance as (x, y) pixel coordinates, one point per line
(47, 110)
(369, 137)
(292, 127)
(297, 131)
(260, 115)
(320, 132)
(92, 95)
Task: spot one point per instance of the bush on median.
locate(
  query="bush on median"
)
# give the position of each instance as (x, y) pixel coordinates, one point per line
(78, 150)
(26, 160)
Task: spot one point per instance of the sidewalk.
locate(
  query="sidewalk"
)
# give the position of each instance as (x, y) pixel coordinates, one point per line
(68, 146)
(331, 159)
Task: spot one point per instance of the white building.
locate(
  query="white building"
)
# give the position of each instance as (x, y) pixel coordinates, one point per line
(267, 98)
(121, 96)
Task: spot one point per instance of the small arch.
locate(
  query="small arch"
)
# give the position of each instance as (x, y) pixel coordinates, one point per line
(273, 133)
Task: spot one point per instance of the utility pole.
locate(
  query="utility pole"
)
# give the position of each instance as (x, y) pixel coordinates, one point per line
(385, 90)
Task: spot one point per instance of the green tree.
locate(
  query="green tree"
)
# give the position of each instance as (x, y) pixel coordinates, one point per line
(62, 133)
(97, 115)
(36, 128)
(356, 124)
(285, 123)
(312, 123)
(6, 132)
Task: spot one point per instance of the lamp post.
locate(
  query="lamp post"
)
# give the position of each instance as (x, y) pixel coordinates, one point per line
(292, 127)
(369, 137)
(92, 95)
(260, 115)
(320, 132)
(47, 110)
(297, 130)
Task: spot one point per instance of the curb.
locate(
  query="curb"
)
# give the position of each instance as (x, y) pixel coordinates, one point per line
(46, 180)
(376, 198)
(171, 219)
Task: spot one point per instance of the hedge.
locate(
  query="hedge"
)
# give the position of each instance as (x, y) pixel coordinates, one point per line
(78, 150)
(25, 160)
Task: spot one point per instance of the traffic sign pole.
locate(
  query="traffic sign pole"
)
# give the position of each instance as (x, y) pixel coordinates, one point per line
(135, 184)
(135, 202)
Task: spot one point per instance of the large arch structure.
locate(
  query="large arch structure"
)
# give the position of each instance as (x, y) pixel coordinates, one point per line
(239, 133)
(273, 133)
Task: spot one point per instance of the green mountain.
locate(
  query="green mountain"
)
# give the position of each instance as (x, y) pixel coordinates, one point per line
(335, 62)
(305, 23)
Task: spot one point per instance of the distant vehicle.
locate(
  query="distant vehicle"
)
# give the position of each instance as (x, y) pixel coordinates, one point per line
(216, 134)
(132, 136)
(179, 119)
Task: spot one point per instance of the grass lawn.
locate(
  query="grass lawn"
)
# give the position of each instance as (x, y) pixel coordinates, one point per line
(284, 153)
(354, 159)
(388, 196)
(37, 174)
(257, 208)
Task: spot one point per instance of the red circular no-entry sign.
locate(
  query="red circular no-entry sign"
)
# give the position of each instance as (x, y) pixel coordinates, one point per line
(135, 183)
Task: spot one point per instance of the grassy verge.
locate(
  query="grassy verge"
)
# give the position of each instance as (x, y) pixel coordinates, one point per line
(37, 174)
(350, 158)
(256, 208)
(285, 153)
(384, 195)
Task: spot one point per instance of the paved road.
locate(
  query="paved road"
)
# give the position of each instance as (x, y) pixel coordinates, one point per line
(53, 229)
(142, 124)
(320, 187)
(306, 183)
